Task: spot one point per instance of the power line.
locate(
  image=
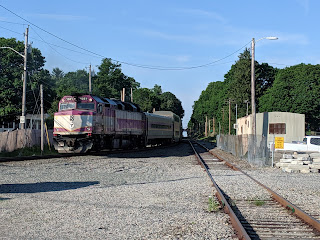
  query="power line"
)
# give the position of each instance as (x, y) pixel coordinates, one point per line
(122, 62)
(57, 51)
(72, 50)
(13, 22)
(11, 30)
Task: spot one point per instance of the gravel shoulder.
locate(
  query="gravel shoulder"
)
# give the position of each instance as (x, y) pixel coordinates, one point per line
(159, 194)
(301, 189)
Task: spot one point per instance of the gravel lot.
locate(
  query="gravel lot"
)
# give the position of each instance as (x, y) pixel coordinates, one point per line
(159, 194)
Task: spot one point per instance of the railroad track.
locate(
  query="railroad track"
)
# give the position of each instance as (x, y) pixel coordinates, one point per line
(256, 212)
(99, 153)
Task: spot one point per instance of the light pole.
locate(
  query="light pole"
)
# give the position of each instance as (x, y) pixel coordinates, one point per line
(23, 110)
(253, 85)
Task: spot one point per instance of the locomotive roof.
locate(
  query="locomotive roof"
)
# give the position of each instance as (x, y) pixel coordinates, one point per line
(99, 100)
(111, 102)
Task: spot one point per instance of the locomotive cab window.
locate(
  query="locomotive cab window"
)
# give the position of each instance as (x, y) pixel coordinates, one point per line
(99, 108)
(67, 106)
(89, 106)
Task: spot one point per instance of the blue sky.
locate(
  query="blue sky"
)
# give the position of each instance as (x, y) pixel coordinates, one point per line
(168, 34)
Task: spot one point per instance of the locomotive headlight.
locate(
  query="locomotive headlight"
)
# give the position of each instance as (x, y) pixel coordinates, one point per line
(90, 99)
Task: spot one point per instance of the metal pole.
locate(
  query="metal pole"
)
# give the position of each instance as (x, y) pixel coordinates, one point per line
(90, 91)
(23, 123)
(42, 117)
(123, 94)
(131, 96)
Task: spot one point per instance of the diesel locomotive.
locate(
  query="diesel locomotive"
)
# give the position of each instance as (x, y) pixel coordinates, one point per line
(87, 122)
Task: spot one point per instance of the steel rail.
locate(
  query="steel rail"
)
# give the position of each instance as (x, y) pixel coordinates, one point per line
(241, 232)
(65, 155)
(285, 203)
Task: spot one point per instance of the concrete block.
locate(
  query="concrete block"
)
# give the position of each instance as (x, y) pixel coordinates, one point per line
(303, 158)
(287, 156)
(284, 160)
(316, 160)
(314, 170)
(297, 162)
(289, 170)
(301, 155)
(314, 166)
(298, 167)
(315, 155)
(307, 162)
(280, 164)
(305, 170)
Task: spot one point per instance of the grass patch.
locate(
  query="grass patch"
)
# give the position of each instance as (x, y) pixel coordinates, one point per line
(29, 151)
(258, 202)
(214, 205)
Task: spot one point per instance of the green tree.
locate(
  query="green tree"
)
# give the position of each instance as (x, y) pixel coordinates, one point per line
(68, 84)
(296, 89)
(110, 80)
(145, 98)
(213, 102)
(11, 70)
(169, 102)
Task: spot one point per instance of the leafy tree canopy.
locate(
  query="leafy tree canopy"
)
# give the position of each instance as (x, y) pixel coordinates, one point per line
(296, 89)
(11, 70)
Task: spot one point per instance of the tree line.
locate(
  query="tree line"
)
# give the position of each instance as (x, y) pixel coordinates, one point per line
(292, 89)
(107, 82)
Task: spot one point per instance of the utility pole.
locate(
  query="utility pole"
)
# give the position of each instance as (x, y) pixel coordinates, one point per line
(222, 120)
(42, 118)
(253, 90)
(23, 115)
(206, 127)
(123, 94)
(131, 96)
(90, 91)
(213, 126)
(229, 116)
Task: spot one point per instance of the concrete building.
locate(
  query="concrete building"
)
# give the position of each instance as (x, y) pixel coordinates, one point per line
(291, 126)
(33, 121)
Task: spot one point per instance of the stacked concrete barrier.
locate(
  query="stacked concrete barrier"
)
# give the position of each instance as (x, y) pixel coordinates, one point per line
(303, 163)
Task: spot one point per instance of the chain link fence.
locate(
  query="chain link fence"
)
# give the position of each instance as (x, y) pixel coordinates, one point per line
(253, 149)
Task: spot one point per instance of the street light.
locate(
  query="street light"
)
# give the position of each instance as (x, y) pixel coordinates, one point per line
(23, 114)
(253, 85)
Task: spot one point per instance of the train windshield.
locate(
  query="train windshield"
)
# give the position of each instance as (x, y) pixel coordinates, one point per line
(66, 106)
(85, 106)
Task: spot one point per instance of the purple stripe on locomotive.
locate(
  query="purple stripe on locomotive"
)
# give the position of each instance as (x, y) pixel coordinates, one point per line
(131, 124)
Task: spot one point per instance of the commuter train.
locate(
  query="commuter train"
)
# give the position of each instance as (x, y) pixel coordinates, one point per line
(87, 122)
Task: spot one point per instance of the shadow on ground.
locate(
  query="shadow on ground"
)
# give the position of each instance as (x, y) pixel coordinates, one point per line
(43, 187)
